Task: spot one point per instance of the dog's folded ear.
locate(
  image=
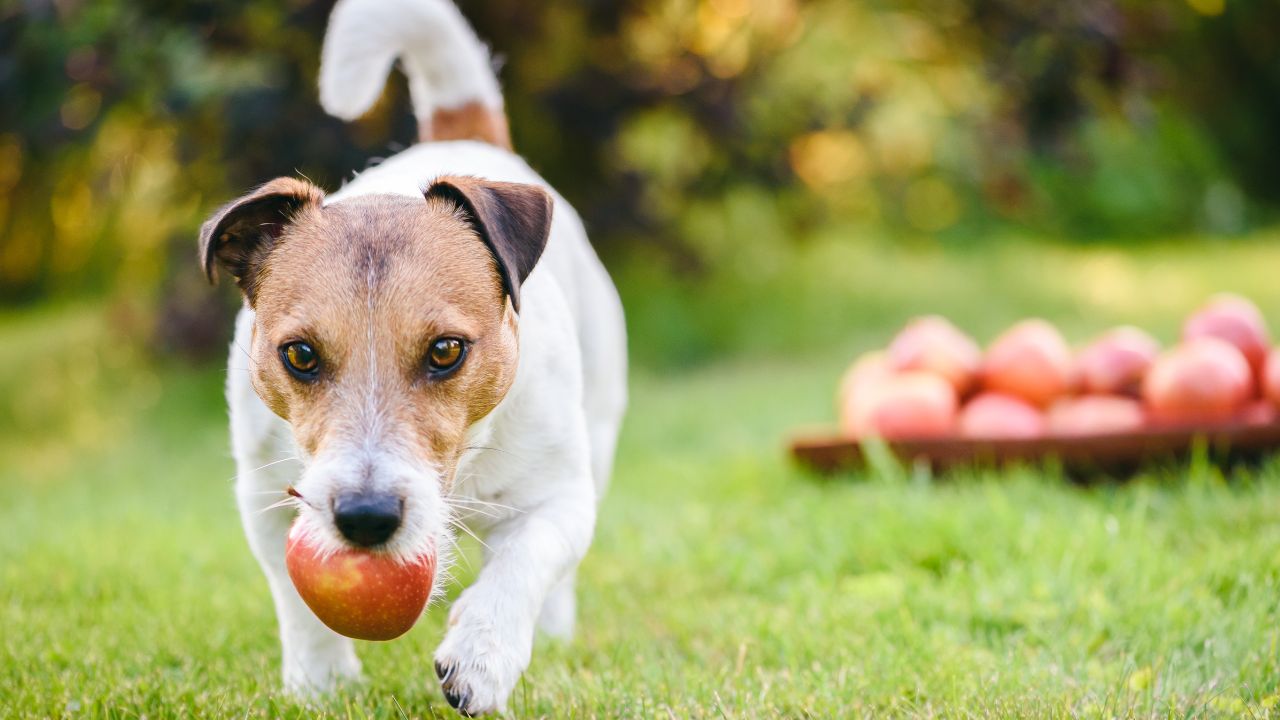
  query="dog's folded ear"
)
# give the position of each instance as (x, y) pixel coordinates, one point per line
(241, 233)
(513, 219)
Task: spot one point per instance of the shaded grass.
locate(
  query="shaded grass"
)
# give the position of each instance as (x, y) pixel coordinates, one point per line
(723, 581)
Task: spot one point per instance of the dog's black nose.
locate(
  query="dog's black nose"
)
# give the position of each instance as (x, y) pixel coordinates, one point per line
(367, 518)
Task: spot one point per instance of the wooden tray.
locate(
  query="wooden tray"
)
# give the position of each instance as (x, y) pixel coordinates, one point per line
(1084, 454)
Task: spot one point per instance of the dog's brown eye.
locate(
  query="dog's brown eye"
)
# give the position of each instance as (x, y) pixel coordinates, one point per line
(300, 359)
(445, 354)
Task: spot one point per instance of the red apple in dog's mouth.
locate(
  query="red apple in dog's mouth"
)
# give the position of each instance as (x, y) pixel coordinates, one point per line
(362, 594)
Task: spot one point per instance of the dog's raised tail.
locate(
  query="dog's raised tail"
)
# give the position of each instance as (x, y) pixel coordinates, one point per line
(451, 79)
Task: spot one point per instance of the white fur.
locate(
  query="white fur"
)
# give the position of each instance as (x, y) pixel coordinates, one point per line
(534, 495)
(446, 64)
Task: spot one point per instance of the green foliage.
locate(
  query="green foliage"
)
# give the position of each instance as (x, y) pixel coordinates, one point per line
(691, 133)
(122, 125)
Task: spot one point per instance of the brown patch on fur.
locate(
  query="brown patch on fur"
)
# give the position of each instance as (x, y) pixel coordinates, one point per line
(370, 282)
(472, 121)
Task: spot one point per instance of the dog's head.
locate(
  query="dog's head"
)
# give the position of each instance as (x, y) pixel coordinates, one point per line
(385, 327)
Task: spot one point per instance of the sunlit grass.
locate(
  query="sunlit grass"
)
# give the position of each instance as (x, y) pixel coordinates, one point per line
(723, 582)
(846, 290)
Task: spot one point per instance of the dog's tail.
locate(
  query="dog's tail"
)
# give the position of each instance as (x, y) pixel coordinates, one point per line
(451, 79)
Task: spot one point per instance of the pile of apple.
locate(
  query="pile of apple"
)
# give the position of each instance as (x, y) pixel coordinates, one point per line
(934, 381)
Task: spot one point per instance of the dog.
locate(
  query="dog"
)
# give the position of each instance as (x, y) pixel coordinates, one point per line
(435, 345)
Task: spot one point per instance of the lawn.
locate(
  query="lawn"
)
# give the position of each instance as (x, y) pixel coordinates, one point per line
(723, 582)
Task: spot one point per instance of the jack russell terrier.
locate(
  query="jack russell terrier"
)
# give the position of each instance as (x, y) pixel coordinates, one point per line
(435, 345)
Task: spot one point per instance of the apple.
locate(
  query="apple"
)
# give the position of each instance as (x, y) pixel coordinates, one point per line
(1030, 360)
(857, 387)
(363, 594)
(1236, 320)
(1095, 415)
(1259, 412)
(905, 406)
(1115, 362)
(862, 376)
(997, 416)
(1204, 380)
(933, 344)
(1271, 377)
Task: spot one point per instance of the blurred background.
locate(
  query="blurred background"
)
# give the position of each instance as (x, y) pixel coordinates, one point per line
(764, 178)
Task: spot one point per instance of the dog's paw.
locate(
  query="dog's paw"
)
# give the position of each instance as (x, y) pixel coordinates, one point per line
(311, 678)
(478, 667)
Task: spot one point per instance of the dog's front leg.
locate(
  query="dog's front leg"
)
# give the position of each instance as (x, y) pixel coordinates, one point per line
(267, 463)
(315, 657)
(491, 626)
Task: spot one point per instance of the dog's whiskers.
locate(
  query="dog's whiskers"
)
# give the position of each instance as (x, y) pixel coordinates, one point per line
(292, 498)
(467, 530)
(287, 501)
(459, 513)
(460, 508)
(249, 357)
(484, 447)
(457, 553)
(464, 501)
(264, 467)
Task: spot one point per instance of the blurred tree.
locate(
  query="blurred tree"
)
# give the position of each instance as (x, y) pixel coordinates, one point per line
(706, 133)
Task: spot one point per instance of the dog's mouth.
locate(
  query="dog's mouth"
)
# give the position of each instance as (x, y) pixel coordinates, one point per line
(380, 525)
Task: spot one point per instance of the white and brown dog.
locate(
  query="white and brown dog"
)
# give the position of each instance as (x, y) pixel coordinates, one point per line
(434, 345)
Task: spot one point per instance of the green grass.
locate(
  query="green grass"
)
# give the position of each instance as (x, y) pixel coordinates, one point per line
(723, 582)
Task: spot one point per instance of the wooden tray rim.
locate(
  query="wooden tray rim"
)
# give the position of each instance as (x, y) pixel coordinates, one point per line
(831, 452)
